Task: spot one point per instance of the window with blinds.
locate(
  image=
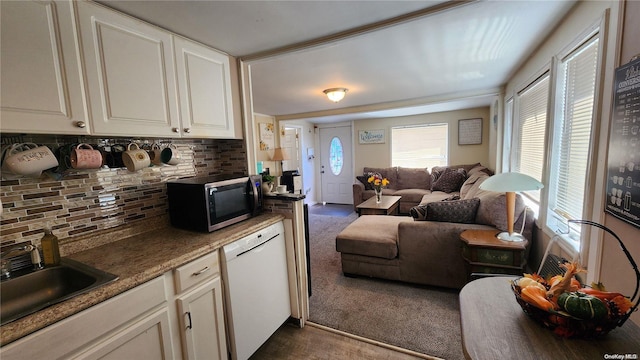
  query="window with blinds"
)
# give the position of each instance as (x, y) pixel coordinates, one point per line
(422, 146)
(571, 138)
(528, 148)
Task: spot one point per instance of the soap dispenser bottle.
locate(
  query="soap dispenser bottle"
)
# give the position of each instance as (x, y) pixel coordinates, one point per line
(50, 248)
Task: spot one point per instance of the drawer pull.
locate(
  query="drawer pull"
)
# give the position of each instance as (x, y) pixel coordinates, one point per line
(204, 270)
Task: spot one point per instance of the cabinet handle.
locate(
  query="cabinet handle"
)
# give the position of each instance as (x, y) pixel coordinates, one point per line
(187, 130)
(175, 130)
(190, 326)
(203, 270)
(81, 124)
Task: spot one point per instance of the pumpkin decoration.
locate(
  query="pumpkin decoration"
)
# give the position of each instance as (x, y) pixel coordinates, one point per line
(583, 306)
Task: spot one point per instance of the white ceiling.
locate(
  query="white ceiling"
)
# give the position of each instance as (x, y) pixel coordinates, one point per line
(433, 60)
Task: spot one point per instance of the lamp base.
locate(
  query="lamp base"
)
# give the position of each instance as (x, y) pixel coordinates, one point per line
(513, 237)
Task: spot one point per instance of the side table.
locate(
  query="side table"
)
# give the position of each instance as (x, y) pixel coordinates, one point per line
(484, 253)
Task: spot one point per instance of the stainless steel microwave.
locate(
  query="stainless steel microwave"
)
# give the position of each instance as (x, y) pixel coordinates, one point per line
(209, 203)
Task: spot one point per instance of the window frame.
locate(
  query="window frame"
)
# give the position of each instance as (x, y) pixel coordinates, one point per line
(587, 237)
(437, 124)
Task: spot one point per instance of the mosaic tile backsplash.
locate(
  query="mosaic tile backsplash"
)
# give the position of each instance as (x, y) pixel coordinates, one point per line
(79, 202)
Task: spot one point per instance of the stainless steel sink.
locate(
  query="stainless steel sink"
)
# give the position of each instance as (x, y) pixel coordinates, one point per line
(25, 294)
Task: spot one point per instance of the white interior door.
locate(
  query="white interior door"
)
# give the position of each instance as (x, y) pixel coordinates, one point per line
(290, 143)
(336, 165)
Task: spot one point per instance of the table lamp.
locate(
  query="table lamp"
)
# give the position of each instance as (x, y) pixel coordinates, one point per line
(279, 155)
(510, 183)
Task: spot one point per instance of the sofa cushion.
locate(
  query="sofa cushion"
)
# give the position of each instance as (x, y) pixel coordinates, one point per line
(436, 196)
(471, 186)
(390, 173)
(413, 178)
(371, 235)
(449, 181)
(364, 180)
(455, 211)
(493, 208)
(411, 195)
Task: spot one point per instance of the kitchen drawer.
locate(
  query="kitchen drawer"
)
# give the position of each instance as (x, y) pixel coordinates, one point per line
(197, 271)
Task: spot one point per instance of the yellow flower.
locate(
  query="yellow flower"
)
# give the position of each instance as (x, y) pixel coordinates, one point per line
(385, 182)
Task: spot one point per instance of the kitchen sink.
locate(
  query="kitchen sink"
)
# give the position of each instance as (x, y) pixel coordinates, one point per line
(25, 294)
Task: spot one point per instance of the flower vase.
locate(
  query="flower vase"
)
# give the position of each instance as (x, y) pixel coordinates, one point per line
(378, 195)
(267, 187)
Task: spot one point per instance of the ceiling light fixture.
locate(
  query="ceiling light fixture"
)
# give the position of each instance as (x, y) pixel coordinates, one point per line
(336, 94)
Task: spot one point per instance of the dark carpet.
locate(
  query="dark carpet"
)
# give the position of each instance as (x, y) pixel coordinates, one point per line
(418, 318)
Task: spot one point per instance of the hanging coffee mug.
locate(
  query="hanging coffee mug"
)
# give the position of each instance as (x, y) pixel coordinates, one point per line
(135, 159)
(155, 154)
(84, 156)
(170, 155)
(28, 159)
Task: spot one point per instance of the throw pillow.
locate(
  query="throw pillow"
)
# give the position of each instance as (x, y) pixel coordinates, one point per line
(449, 181)
(364, 179)
(456, 211)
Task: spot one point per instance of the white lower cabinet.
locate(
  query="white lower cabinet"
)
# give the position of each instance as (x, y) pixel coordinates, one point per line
(147, 338)
(183, 309)
(202, 322)
(200, 311)
(136, 318)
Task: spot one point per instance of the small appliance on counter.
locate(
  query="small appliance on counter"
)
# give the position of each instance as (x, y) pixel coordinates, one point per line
(209, 203)
(293, 180)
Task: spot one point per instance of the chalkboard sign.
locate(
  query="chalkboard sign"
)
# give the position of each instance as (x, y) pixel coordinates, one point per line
(623, 170)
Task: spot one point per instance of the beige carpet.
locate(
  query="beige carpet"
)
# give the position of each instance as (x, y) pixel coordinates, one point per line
(418, 318)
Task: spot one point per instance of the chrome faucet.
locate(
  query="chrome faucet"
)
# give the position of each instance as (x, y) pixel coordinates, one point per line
(5, 262)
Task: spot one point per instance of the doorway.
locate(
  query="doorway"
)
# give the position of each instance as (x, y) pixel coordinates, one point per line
(336, 165)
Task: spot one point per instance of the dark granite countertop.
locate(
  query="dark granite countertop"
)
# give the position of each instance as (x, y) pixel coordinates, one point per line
(135, 260)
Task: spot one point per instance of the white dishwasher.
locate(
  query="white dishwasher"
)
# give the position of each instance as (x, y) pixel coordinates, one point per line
(256, 289)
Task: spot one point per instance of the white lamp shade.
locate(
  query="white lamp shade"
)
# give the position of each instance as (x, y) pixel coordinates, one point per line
(511, 182)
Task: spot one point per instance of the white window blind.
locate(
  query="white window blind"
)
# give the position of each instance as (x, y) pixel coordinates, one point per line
(423, 146)
(528, 155)
(572, 135)
(508, 126)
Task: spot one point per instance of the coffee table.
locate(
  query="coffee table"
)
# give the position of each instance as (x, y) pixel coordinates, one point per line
(388, 206)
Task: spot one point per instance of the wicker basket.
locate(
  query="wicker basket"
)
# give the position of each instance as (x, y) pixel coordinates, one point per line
(569, 326)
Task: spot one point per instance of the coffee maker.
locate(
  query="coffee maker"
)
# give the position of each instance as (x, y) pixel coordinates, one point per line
(293, 180)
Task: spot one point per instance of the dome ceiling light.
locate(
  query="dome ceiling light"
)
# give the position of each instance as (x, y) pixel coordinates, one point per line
(336, 94)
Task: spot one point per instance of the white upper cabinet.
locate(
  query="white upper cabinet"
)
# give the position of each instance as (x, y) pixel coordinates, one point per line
(130, 74)
(204, 84)
(41, 77)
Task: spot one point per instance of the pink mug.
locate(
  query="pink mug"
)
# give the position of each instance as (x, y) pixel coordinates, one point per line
(84, 156)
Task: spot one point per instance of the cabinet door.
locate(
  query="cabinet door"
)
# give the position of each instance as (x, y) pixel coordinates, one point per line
(202, 322)
(148, 338)
(130, 74)
(41, 78)
(204, 83)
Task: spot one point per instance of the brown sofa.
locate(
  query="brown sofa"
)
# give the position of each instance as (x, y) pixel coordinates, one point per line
(422, 251)
(412, 184)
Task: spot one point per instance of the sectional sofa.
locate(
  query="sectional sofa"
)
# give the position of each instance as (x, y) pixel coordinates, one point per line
(412, 184)
(425, 248)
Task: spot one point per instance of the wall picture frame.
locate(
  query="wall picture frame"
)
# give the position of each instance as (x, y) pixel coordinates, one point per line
(470, 131)
(267, 136)
(371, 136)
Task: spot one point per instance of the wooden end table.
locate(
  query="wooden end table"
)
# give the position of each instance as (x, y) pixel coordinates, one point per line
(485, 253)
(388, 206)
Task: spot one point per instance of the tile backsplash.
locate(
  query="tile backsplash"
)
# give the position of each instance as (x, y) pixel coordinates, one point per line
(80, 202)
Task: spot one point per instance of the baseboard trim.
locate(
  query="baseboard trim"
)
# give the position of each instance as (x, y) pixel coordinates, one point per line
(373, 342)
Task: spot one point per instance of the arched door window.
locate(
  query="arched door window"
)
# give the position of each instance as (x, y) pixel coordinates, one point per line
(336, 158)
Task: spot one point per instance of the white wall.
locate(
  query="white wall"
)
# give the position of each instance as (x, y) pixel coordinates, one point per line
(379, 155)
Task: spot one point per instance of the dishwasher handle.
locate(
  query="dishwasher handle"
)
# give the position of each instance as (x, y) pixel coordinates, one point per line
(258, 245)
